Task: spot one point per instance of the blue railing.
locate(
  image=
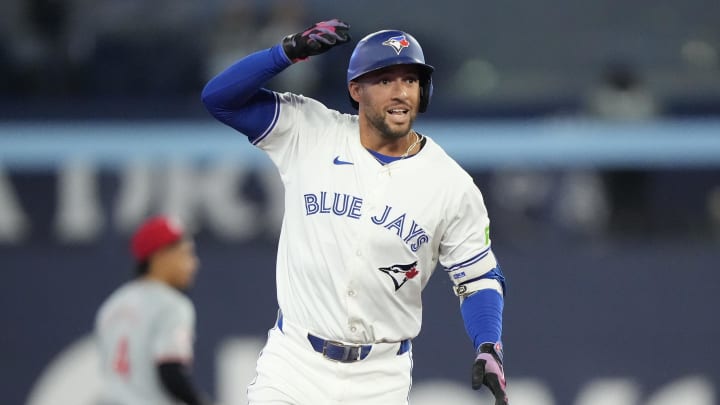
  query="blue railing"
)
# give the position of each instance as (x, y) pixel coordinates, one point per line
(474, 144)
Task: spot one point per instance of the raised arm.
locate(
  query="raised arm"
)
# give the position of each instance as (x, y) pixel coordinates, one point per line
(236, 97)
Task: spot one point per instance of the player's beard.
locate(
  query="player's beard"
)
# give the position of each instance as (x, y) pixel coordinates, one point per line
(378, 121)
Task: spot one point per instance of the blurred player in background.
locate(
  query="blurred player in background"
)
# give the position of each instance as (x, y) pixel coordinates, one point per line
(145, 329)
(371, 206)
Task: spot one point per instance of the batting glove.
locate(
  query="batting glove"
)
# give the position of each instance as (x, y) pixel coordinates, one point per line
(316, 39)
(488, 371)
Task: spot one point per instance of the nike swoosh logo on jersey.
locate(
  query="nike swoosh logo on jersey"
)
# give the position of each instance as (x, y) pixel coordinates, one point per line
(337, 161)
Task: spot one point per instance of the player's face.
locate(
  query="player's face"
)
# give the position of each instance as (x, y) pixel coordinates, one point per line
(179, 263)
(388, 99)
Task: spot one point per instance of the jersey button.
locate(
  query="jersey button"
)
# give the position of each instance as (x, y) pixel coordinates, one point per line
(358, 253)
(351, 293)
(353, 329)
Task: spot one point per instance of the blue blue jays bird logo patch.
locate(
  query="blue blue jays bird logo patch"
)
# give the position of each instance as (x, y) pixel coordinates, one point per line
(400, 273)
(397, 43)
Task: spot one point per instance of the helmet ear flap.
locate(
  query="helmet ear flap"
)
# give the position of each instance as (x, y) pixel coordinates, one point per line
(426, 90)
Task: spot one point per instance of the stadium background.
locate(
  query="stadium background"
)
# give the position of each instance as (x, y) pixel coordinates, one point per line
(592, 127)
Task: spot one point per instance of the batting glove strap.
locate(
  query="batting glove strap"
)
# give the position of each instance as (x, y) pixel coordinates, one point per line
(495, 349)
(488, 371)
(316, 39)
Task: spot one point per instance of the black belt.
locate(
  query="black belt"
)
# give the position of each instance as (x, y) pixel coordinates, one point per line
(341, 352)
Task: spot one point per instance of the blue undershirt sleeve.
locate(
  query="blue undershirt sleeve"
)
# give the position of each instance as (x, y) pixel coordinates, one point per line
(235, 96)
(482, 314)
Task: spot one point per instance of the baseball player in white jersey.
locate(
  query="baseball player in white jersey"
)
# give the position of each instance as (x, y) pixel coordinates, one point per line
(371, 207)
(145, 329)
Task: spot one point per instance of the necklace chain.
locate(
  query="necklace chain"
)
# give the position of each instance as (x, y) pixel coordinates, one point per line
(418, 138)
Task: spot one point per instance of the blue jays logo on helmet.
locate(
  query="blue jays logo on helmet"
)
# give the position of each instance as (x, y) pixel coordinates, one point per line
(397, 43)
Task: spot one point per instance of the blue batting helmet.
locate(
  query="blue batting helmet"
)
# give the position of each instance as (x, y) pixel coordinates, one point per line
(387, 48)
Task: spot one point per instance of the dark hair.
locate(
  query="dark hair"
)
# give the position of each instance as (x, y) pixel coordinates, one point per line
(141, 268)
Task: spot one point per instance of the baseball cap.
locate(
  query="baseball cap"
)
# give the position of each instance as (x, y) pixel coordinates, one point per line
(154, 234)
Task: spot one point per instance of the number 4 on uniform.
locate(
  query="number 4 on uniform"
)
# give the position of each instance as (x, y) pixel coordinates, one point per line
(122, 361)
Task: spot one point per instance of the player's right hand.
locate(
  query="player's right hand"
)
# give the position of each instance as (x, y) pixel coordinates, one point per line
(488, 371)
(316, 39)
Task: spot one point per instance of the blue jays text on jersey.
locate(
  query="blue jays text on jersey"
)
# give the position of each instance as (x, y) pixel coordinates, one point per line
(347, 205)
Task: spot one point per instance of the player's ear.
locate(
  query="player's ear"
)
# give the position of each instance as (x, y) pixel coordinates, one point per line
(354, 88)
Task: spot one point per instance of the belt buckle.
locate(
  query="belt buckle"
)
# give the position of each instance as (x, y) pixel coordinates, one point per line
(350, 353)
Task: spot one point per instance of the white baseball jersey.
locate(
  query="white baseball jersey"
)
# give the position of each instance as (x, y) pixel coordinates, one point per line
(142, 323)
(359, 240)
